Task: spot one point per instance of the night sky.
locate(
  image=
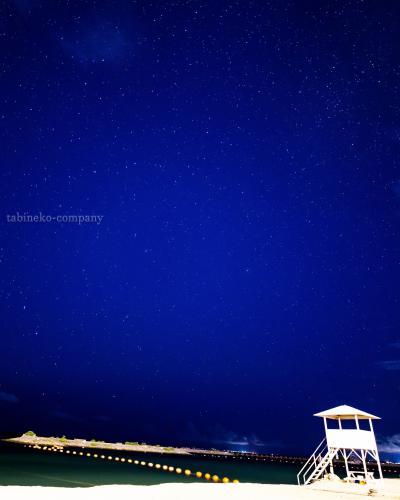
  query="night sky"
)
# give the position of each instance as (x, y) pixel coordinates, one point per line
(243, 274)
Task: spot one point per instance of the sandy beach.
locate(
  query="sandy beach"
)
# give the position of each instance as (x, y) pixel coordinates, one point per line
(175, 491)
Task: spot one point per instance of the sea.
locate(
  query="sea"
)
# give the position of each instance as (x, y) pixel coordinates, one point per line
(25, 466)
(29, 467)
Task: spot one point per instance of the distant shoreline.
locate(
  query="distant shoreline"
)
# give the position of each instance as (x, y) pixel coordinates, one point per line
(32, 440)
(94, 444)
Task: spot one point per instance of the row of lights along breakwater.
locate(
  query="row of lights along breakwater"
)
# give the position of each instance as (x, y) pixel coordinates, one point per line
(389, 467)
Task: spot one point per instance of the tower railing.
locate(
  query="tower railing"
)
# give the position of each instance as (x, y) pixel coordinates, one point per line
(318, 456)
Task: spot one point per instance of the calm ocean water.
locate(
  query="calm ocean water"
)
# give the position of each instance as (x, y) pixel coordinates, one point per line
(26, 467)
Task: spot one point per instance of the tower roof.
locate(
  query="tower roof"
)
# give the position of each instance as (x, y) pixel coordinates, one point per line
(345, 412)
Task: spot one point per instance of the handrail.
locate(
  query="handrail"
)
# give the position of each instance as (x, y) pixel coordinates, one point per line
(322, 465)
(315, 467)
(311, 459)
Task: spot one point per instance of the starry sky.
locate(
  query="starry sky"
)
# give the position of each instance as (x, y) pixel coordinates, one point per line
(244, 160)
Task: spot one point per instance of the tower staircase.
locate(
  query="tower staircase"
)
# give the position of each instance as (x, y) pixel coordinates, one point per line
(317, 463)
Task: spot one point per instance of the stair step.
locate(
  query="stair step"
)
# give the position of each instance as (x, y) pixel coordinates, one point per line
(322, 465)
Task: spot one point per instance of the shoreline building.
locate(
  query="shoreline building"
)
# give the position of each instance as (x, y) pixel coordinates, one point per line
(349, 434)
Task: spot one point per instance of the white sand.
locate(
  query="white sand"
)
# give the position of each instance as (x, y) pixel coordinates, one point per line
(196, 491)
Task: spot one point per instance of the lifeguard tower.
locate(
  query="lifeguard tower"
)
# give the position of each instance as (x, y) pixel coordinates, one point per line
(348, 433)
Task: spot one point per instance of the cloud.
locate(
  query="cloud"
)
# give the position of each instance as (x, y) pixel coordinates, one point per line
(97, 42)
(396, 188)
(390, 365)
(390, 444)
(221, 436)
(8, 397)
(233, 439)
(65, 416)
(102, 418)
(25, 6)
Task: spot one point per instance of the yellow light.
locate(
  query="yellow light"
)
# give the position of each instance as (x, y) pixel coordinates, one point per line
(178, 470)
(74, 452)
(67, 452)
(199, 474)
(165, 467)
(215, 478)
(95, 455)
(150, 464)
(171, 469)
(88, 454)
(116, 459)
(129, 460)
(158, 466)
(45, 447)
(225, 480)
(235, 481)
(122, 459)
(142, 463)
(207, 476)
(103, 457)
(81, 453)
(136, 462)
(188, 472)
(109, 457)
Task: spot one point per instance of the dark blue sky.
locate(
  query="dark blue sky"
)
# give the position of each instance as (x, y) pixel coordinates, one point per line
(244, 157)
